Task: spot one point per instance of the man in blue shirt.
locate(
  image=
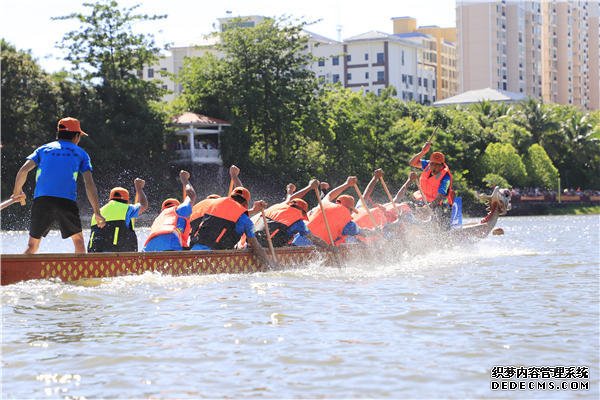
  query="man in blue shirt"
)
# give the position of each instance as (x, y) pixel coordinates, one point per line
(59, 163)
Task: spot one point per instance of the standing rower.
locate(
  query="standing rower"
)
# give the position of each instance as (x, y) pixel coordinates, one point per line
(59, 163)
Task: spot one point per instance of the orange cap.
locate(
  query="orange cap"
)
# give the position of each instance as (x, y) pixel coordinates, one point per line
(301, 204)
(437, 157)
(69, 124)
(347, 201)
(119, 193)
(243, 192)
(170, 203)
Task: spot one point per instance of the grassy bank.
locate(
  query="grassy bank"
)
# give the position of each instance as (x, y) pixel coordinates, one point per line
(574, 210)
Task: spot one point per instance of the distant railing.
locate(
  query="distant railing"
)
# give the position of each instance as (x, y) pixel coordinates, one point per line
(212, 156)
(551, 198)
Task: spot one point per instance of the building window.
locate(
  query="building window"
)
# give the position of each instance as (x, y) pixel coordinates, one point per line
(380, 58)
(410, 79)
(321, 63)
(366, 75)
(164, 87)
(420, 82)
(403, 78)
(348, 76)
(402, 57)
(164, 69)
(150, 72)
(378, 92)
(335, 60)
(336, 78)
(425, 82)
(366, 56)
(380, 76)
(433, 84)
(348, 57)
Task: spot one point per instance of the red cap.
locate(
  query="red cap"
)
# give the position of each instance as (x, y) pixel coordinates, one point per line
(119, 193)
(437, 157)
(69, 124)
(241, 191)
(170, 203)
(301, 204)
(347, 201)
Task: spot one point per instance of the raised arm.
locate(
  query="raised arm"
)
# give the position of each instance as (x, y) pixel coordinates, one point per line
(234, 174)
(312, 185)
(140, 195)
(402, 192)
(92, 194)
(188, 189)
(415, 161)
(377, 174)
(334, 193)
(257, 207)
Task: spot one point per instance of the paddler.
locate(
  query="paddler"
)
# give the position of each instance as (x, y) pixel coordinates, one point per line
(59, 163)
(118, 234)
(338, 211)
(435, 184)
(170, 231)
(218, 224)
(287, 219)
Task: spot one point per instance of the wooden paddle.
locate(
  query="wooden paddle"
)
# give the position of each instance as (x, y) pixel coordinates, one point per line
(268, 233)
(389, 195)
(362, 200)
(9, 202)
(324, 217)
(230, 187)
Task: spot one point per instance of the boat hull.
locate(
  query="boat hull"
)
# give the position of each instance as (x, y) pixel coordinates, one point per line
(73, 267)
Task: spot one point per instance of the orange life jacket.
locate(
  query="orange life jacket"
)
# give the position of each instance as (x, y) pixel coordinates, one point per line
(363, 220)
(166, 222)
(337, 216)
(279, 218)
(214, 223)
(430, 184)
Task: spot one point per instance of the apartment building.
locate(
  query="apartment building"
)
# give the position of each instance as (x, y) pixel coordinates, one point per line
(368, 62)
(439, 50)
(375, 60)
(547, 50)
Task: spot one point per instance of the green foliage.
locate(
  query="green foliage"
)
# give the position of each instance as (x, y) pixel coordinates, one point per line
(502, 159)
(493, 180)
(105, 46)
(29, 110)
(542, 173)
(126, 129)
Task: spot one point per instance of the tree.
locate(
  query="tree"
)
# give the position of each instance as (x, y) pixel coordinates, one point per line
(29, 110)
(540, 169)
(126, 131)
(105, 45)
(502, 159)
(263, 83)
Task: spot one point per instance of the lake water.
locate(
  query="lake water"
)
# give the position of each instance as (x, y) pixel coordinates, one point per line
(429, 326)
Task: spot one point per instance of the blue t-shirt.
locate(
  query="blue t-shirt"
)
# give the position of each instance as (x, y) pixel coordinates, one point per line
(58, 165)
(243, 225)
(444, 184)
(170, 241)
(350, 229)
(133, 211)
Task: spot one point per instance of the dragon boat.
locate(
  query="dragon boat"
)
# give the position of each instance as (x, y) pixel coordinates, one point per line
(73, 267)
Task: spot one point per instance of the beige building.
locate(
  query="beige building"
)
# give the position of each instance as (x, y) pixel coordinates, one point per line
(440, 51)
(544, 49)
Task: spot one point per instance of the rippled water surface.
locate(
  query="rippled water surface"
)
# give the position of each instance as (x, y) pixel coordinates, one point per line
(404, 326)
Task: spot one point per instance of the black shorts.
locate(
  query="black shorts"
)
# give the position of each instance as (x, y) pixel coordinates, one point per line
(47, 209)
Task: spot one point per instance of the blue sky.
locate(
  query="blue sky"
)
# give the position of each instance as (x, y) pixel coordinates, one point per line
(27, 24)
